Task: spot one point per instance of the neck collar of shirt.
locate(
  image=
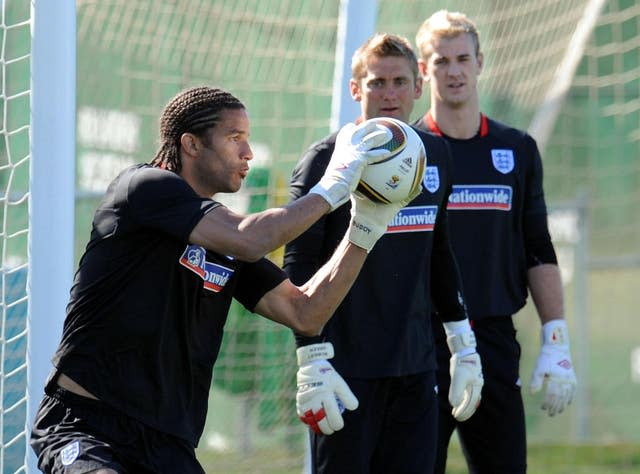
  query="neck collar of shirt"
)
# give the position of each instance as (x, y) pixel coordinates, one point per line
(483, 131)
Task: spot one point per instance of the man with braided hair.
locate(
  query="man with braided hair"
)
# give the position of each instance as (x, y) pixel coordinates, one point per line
(129, 388)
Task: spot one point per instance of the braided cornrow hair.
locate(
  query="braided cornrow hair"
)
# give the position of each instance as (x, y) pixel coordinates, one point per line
(191, 111)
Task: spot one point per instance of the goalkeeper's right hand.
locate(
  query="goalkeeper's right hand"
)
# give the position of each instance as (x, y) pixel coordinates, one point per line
(353, 150)
(322, 393)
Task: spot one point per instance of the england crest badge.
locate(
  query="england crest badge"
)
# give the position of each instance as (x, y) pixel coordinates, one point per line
(69, 453)
(431, 180)
(503, 160)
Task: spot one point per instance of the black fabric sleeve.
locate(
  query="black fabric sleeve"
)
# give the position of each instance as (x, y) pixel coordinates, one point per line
(162, 200)
(537, 240)
(255, 280)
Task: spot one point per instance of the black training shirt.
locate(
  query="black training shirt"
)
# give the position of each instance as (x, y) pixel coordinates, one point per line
(497, 215)
(147, 309)
(383, 326)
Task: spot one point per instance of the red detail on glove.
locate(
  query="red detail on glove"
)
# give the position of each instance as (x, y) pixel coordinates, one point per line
(312, 419)
(565, 364)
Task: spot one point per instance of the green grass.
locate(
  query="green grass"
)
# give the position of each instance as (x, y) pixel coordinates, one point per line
(543, 459)
(568, 459)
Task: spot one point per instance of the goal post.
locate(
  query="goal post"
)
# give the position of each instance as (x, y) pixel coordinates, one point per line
(51, 188)
(356, 22)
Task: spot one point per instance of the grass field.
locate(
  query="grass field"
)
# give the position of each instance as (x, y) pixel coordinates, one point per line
(543, 459)
(569, 459)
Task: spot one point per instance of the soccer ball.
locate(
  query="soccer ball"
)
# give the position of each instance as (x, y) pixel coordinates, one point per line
(398, 176)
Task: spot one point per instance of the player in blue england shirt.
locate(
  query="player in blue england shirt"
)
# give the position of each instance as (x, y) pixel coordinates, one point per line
(380, 340)
(498, 228)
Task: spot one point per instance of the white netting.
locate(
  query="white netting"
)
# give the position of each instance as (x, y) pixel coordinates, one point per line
(530, 48)
(14, 199)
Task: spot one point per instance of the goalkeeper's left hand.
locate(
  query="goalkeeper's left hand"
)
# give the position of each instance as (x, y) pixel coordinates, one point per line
(554, 366)
(322, 393)
(369, 220)
(465, 369)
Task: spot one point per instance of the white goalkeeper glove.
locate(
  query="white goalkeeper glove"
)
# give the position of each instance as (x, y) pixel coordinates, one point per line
(352, 152)
(322, 393)
(554, 365)
(465, 369)
(369, 220)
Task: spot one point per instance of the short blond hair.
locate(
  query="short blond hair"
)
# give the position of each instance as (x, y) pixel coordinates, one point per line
(382, 45)
(445, 24)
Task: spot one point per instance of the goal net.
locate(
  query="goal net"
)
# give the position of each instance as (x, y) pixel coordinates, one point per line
(14, 179)
(278, 57)
(568, 72)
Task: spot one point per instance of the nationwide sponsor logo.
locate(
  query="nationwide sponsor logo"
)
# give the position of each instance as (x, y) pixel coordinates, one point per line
(503, 160)
(215, 276)
(480, 197)
(193, 258)
(431, 180)
(414, 219)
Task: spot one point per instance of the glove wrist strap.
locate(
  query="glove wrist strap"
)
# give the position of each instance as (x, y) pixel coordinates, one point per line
(462, 344)
(555, 332)
(313, 352)
(333, 192)
(362, 234)
(460, 338)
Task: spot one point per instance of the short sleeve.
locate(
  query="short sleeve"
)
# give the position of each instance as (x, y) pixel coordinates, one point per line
(255, 280)
(162, 200)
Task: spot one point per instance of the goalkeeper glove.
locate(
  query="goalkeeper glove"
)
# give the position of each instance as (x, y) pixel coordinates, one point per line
(369, 220)
(465, 369)
(322, 393)
(554, 365)
(353, 150)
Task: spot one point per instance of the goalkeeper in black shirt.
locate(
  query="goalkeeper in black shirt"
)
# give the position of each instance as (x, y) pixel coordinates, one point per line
(128, 392)
(498, 224)
(380, 341)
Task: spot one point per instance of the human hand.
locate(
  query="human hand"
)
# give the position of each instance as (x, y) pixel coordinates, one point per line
(370, 220)
(353, 150)
(465, 370)
(322, 393)
(554, 366)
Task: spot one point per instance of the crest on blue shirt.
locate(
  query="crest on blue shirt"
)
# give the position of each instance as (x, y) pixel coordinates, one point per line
(431, 180)
(503, 160)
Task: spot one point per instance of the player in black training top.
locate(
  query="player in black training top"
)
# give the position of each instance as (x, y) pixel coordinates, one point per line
(129, 388)
(381, 337)
(498, 229)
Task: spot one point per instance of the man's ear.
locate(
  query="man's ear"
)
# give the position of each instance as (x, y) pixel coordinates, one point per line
(189, 143)
(354, 88)
(417, 93)
(422, 67)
